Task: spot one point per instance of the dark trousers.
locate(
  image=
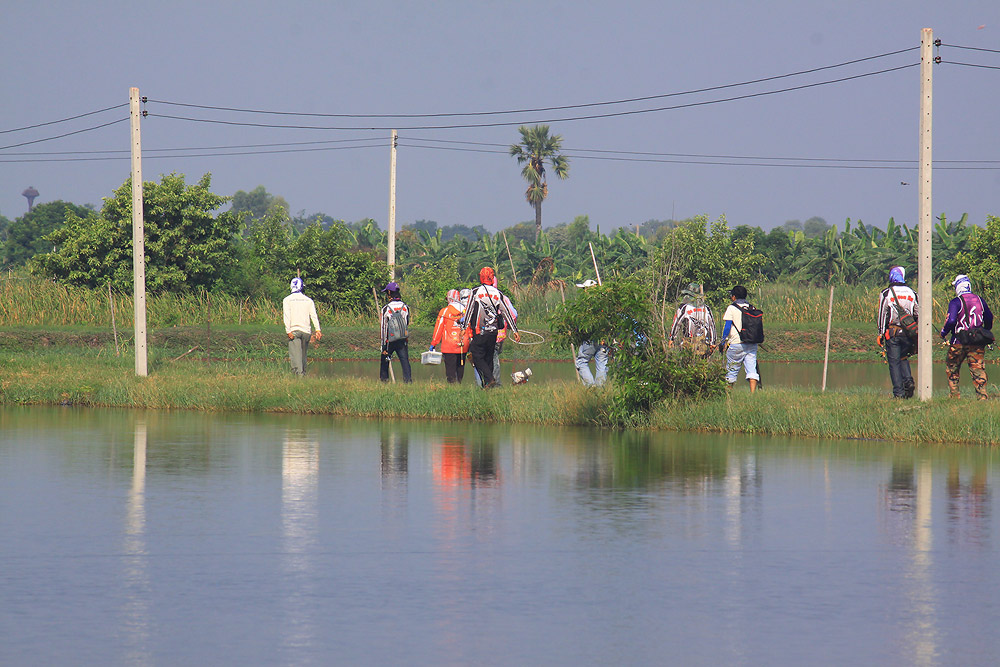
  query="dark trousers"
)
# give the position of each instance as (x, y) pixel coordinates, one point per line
(897, 351)
(482, 349)
(454, 366)
(402, 350)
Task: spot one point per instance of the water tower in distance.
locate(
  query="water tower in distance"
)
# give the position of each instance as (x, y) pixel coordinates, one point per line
(30, 195)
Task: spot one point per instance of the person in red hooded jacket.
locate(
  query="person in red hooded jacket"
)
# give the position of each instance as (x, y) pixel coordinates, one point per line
(452, 337)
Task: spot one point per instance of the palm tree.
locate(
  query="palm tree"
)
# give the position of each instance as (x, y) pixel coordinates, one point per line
(536, 148)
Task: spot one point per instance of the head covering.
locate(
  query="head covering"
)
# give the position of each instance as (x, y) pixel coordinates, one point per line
(297, 285)
(391, 287)
(465, 293)
(587, 283)
(486, 275)
(692, 289)
(962, 284)
(452, 295)
(897, 274)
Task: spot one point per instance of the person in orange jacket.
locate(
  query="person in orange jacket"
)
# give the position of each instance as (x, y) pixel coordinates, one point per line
(452, 337)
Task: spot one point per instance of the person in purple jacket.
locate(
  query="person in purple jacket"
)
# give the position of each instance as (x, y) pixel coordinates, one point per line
(966, 311)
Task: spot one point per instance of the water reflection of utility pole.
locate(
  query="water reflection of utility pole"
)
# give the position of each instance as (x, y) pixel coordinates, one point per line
(136, 611)
(299, 521)
(922, 635)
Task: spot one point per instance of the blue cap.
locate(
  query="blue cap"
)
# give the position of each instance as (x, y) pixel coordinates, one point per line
(391, 287)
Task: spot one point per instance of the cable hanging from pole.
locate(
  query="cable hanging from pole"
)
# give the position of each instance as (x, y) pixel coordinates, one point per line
(613, 114)
(564, 107)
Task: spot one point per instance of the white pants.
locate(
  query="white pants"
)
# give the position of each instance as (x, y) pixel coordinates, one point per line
(745, 354)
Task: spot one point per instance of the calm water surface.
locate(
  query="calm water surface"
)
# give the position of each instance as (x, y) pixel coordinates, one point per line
(158, 538)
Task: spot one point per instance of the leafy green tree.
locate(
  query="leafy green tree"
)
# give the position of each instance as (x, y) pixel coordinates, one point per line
(4, 226)
(643, 373)
(257, 203)
(696, 251)
(814, 227)
(187, 247)
(26, 235)
(979, 260)
(536, 148)
(334, 271)
(428, 288)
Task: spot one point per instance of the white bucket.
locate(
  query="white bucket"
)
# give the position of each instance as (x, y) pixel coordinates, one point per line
(430, 358)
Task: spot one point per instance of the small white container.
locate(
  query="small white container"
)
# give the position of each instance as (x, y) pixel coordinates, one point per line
(430, 358)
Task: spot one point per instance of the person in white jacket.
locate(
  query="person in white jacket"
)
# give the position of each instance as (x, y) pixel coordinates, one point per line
(299, 312)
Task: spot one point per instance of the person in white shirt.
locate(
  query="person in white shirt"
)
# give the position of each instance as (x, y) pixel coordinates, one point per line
(895, 300)
(299, 312)
(737, 352)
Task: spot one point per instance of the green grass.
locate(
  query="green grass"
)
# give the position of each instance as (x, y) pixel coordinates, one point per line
(96, 380)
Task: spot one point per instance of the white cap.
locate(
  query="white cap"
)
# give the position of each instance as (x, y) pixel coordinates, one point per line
(587, 283)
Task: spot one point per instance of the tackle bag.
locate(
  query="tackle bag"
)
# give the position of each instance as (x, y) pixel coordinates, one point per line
(907, 322)
(975, 336)
(753, 325)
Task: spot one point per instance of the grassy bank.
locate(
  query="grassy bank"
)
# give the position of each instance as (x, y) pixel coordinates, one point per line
(50, 378)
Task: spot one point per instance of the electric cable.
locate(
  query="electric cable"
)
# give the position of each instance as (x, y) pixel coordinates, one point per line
(729, 163)
(536, 109)
(63, 120)
(970, 48)
(613, 114)
(952, 62)
(190, 155)
(67, 134)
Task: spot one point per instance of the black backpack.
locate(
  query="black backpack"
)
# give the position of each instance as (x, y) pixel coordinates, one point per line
(753, 325)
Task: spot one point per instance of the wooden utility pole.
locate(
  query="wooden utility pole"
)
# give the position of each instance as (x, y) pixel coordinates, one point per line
(138, 237)
(391, 253)
(924, 295)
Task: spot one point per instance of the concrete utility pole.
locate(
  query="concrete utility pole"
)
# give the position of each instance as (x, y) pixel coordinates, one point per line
(924, 294)
(392, 209)
(138, 237)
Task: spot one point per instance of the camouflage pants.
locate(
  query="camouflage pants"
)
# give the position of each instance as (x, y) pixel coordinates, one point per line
(976, 356)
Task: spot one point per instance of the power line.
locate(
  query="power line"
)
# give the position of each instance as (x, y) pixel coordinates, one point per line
(564, 107)
(709, 161)
(68, 134)
(952, 62)
(971, 48)
(691, 155)
(63, 120)
(551, 120)
(190, 155)
(200, 148)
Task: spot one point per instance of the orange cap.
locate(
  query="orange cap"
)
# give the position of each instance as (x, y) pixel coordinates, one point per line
(486, 275)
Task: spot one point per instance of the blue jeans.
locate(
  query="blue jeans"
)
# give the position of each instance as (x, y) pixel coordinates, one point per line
(896, 348)
(741, 354)
(599, 353)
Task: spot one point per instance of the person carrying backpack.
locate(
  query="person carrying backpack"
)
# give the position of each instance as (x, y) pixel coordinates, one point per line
(970, 322)
(486, 313)
(743, 331)
(395, 334)
(897, 316)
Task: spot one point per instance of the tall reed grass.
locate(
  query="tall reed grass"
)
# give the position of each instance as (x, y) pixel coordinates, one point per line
(31, 301)
(27, 301)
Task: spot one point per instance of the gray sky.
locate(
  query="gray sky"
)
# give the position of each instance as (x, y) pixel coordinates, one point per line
(64, 58)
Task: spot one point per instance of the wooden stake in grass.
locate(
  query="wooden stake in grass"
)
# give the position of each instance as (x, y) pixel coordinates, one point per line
(829, 321)
(114, 327)
(572, 348)
(513, 272)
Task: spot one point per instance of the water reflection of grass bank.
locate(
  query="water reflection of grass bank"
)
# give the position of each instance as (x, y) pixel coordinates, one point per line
(102, 381)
